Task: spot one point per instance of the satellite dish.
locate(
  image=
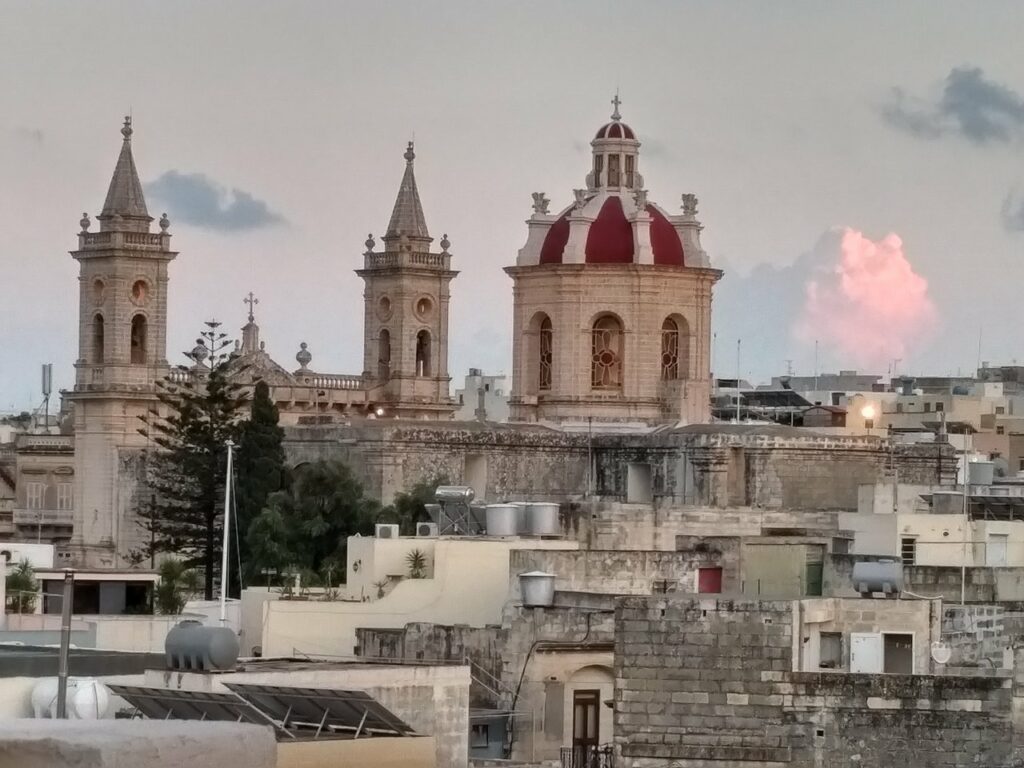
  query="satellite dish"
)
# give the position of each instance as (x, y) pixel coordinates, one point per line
(941, 653)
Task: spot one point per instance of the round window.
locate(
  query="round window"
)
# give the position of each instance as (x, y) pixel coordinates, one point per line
(424, 307)
(384, 307)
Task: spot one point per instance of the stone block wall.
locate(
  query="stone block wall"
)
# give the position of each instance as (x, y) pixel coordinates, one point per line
(703, 682)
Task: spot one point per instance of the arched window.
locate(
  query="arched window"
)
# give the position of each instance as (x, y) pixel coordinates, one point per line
(613, 170)
(138, 339)
(423, 353)
(669, 350)
(384, 355)
(97, 340)
(545, 347)
(606, 353)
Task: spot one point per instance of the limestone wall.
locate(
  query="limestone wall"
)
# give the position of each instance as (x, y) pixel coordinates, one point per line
(711, 681)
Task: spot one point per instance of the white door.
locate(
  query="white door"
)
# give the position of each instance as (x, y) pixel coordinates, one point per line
(866, 652)
(995, 555)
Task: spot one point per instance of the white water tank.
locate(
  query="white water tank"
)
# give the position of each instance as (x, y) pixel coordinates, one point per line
(537, 589)
(502, 520)
(542, 519)
(521, 507)
(87, 699)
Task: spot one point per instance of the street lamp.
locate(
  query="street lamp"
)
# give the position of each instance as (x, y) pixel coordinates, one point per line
(868, 412)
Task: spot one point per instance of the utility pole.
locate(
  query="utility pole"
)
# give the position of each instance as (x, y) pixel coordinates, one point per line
(65, 643)
(227, 541)
(738, 343)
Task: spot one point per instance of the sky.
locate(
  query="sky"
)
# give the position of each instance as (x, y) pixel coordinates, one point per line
(858, 165)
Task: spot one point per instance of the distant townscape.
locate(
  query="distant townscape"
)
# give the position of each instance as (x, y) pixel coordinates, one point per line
(613, 557)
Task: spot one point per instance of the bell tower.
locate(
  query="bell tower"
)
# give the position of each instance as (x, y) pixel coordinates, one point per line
(406, 296)
(122, 353)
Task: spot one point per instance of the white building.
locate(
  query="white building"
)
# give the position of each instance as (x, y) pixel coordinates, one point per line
(482, 397)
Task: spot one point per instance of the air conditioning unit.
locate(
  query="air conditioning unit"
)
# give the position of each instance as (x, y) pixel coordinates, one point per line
(386, 531)
(426, 530)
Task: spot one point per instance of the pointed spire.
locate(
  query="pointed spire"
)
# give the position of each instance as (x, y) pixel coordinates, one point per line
(407, 218)
(124, 197)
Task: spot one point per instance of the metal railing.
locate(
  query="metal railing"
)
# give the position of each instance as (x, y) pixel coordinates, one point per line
(588, 757)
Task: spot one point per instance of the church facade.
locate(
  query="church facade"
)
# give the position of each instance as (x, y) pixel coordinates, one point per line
(612, 317)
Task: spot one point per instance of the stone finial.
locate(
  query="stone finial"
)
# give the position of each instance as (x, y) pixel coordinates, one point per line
(199, 351)
(126, 129)
(85, 222)
(164, 223)
(581, 197)
(303, 357)
(616, 102)
(445, 243)
(251, 301)
(410, 154)
(540, 203)
(689, 204)
(370, 243)
(640, 198)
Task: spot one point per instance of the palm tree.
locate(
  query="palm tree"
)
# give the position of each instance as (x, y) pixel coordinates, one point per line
(417, 564)
(22, 588)
(177, 584)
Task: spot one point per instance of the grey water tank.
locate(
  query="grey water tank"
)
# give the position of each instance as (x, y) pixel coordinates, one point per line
(884, 576)
(192, 646)
(521, 507)
(542, 519)
(537, 589)
(461, 493)
(981, 472)
(502, 520)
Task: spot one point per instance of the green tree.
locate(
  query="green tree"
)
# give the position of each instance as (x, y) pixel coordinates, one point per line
(417, 562)
(200, 410)
(305, 527)
(22, 588)
(178, 583)
(410, 507)
(260, 471)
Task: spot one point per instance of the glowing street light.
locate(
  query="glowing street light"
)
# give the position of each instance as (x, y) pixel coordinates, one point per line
(868, 412)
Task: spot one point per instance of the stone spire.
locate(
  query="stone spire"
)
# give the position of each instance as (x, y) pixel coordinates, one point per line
(407, 220)
(125, 206)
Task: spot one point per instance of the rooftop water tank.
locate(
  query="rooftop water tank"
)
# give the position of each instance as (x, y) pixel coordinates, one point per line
(981, 472)
(461, 493)
(521, 507)
(884, 576)
(502, 520)
(194, 647)
(537, 588)
(87, 699)
(542, 519)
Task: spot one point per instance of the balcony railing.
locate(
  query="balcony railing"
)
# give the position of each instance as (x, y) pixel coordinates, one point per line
(588, 757)
(30, 517)
(407, 259)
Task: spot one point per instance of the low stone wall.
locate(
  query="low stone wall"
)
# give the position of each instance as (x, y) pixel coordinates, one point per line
(711, 681)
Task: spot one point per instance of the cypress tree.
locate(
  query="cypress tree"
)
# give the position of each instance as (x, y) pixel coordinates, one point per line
(260, 469)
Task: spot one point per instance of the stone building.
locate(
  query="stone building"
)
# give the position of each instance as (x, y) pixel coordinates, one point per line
(612, 301)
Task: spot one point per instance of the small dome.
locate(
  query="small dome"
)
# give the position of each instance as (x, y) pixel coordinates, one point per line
(615, 130)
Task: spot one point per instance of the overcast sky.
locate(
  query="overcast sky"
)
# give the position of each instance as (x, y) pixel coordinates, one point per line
(272, 134)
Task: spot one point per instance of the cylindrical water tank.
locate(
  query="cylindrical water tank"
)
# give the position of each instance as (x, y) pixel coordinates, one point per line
(537, 588)
(87, 699)
(542, 519)
(192, 646)
(881, 576)
(461, 493)
(521, 507)
(981, 472)
(947, 503)
(502, 520)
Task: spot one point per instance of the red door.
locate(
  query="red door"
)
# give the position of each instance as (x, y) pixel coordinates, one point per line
(709, 580)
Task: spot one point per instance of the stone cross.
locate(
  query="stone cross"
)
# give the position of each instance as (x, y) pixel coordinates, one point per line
(615, 103)
(252, 301)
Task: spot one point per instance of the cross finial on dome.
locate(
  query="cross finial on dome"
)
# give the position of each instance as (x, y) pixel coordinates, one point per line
(616, 102)
(252, 301)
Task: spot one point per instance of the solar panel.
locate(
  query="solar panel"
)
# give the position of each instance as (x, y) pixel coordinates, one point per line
(168, 704)
(335, 710)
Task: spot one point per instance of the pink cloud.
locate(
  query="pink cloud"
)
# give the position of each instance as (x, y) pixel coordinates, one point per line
(871, 306)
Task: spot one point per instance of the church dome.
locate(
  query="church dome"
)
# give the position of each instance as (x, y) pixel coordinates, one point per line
(615, 130)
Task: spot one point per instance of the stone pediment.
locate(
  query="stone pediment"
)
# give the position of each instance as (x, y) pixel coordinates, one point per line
(259, 365)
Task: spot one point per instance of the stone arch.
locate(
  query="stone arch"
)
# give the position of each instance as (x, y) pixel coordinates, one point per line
(539, 361)
(139, 339)
(582, 687)
(98, 339)
(675, 348)
(423, 353)
(384, 355)
(607, 348)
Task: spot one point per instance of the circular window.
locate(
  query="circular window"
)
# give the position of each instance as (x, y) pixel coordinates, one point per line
(98, 291)
(140, 291)
(384, 307)
(424, 307)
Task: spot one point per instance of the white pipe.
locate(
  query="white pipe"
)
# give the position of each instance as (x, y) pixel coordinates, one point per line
(225, 549)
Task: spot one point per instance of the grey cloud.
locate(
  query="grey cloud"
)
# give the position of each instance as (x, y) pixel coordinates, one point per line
(193, 198)
(970, 105)
(1013, 212)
